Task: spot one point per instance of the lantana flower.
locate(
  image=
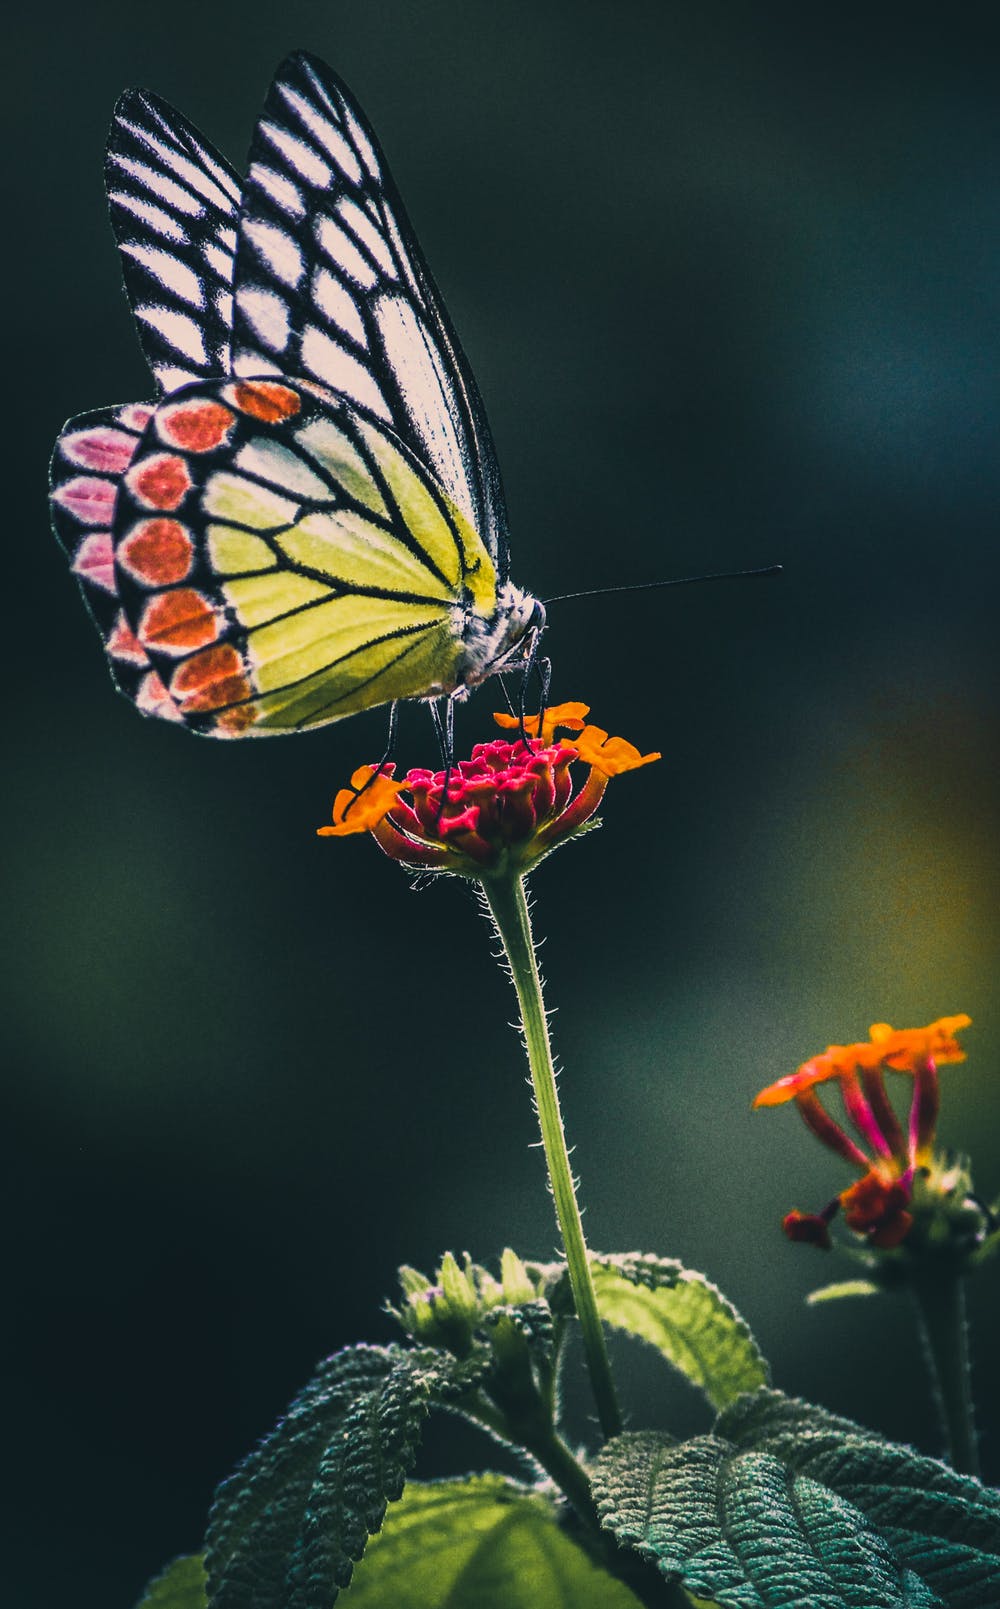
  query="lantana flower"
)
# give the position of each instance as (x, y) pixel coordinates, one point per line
(890, 1158)
(492, 818)
(497, 813)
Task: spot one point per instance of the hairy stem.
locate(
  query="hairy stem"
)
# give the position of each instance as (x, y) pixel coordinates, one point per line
(940, 1299)
(509, 908)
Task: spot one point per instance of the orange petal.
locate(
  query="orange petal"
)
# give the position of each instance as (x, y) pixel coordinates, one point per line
(570, 715)
(847, 1059)
(609, 755)
(901, 1047)
(359, 811)
(812, 1072)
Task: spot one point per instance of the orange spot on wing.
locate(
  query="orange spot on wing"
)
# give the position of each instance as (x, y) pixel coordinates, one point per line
(237, 719)
(157, 552)
(176, 622)
(197, 426)
(265, 399)
(160, 481)
(210, 680)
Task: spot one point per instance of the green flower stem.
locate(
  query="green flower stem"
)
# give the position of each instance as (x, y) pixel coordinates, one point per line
(509, 908)
(940, 1299)
(547, 1448)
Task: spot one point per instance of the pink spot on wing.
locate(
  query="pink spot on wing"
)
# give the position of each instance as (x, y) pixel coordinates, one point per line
(88, 498)
(94, 561)
(110, 450)
(124, 644)
(135, 416)
(153, 699)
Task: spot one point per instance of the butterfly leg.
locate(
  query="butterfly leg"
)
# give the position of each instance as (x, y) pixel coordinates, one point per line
(543, 670)
(387, 757)
(444, 726)
(390, 742)
(505, 690)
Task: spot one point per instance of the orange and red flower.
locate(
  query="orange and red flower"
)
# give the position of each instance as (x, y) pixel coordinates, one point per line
(876, 1206)
(501, 810)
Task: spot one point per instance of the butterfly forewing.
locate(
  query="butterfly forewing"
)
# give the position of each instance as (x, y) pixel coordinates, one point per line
(330, 284)
(282, 561)
(174, 208)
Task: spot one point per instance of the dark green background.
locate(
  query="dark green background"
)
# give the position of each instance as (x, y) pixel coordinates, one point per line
(728, 277)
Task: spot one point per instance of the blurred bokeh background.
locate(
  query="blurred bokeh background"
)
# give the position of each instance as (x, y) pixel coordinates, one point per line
(728, 277)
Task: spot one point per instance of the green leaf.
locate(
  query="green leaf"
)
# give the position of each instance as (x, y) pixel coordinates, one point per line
(740, 1529)
(684, 1317)
(768, 1419)
(481, 1543)
(180, 1586)
(287, 1526)
(944, 1525)
(842, 1288)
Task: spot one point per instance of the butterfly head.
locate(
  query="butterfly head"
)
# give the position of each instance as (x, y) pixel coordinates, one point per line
(503, 640)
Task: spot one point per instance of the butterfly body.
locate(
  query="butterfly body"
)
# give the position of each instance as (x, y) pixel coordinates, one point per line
(309, 521)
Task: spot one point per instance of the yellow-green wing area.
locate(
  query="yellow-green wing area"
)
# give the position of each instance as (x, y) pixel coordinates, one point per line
(328, 571)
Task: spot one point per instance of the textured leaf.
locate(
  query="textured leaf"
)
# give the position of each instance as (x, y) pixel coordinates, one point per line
(943, 1525)
(684, 1317)
(180, 1586)
(287, 1526)
(741, 1529)
(482, 1543)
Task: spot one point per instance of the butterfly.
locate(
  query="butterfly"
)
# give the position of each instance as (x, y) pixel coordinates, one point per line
(308, 521)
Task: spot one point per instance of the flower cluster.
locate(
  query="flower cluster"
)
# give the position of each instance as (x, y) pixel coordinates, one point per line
(500, 811)
(890, 1158)
(446, 1310)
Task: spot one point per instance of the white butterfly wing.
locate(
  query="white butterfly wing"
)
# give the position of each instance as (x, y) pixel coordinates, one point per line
(330, 285)
(175, 206)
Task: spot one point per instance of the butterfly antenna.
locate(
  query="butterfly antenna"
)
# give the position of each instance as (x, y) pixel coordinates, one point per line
(388, 756)
(677, 581)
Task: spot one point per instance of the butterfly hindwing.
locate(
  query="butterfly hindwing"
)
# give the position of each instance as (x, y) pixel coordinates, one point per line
(174, 205)
(281, 560)
(330, 284)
